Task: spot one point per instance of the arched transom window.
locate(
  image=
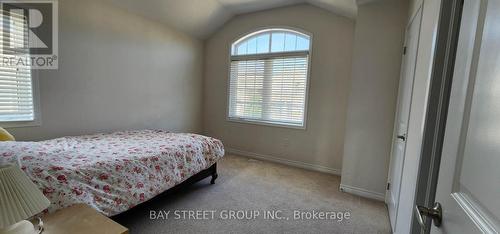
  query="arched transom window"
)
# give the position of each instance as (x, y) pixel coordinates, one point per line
(269, 77)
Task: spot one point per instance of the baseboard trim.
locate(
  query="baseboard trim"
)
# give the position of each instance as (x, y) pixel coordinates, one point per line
(362, 192)
(288, 162)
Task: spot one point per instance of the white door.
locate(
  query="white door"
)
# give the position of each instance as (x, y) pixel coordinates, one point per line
(469, 178)
(402, 117)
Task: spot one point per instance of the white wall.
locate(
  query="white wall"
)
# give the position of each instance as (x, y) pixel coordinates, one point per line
(118, 71)
(378, 43)
(320, 145)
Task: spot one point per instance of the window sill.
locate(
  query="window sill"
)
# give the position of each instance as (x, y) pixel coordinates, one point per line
(267, 123)
(21, 124)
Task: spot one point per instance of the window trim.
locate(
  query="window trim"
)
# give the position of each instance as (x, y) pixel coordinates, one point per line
(251, 33)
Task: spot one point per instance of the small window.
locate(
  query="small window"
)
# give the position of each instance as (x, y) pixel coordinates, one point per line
(269, 78)
(16, 86)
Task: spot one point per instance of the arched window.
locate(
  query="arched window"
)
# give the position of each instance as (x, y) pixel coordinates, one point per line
(269, 77)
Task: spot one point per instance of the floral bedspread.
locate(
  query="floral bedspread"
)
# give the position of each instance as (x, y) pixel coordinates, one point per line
(111, 172)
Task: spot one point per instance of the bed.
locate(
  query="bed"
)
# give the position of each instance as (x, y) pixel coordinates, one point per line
(113, 172)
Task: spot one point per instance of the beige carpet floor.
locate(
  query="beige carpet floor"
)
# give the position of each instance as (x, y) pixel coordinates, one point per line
(247, 185)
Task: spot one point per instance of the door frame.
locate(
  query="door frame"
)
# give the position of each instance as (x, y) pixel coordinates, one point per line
(417, 15)
(437, 108)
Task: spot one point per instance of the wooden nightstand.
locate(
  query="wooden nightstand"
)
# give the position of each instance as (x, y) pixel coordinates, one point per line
(80, 219)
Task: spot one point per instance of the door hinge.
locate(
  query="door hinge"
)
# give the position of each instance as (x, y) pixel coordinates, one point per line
(404, 50)
(388, 186)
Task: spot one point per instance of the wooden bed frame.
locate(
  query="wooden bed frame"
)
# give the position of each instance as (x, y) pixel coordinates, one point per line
(211, 171)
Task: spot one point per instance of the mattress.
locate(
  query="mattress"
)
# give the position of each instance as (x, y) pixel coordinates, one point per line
(112, 172)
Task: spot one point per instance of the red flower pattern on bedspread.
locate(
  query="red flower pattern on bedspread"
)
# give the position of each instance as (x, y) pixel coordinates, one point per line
(112, 172)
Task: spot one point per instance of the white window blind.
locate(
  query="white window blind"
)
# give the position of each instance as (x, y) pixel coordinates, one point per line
(16, 94)
(270, 86)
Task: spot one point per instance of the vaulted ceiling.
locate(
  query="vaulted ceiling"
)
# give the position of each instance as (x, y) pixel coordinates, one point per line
(200, 18)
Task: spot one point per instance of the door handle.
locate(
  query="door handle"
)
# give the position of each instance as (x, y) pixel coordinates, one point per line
(402, 137)
(436, 213)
